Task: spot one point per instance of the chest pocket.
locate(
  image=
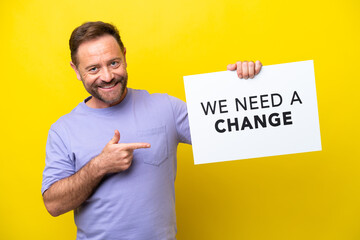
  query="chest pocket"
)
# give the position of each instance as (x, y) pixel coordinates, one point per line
(158, 152)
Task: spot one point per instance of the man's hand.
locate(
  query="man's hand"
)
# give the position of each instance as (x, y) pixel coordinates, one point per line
(245, 69)
(117, 157)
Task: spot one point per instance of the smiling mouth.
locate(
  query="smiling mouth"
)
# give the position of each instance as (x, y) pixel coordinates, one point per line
(109, 86)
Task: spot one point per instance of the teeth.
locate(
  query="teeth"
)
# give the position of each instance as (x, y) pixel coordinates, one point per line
(106, 87)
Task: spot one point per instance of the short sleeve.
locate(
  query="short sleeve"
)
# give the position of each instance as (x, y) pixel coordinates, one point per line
(181, 119)
(58, 162)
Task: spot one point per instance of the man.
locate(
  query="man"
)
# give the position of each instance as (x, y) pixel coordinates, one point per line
(122, 188)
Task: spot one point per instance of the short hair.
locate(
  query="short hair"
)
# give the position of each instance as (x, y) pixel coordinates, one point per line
(89, 31)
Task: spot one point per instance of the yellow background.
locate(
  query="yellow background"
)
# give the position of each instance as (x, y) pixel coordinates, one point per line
(301, 196)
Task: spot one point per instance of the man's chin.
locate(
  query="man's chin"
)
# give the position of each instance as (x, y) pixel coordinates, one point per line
(115, 99)
(110, 98)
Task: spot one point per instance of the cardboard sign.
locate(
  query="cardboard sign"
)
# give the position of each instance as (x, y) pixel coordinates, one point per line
(273, 114)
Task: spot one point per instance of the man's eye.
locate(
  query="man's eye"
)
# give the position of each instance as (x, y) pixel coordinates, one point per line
(114, 63)
(93, 69)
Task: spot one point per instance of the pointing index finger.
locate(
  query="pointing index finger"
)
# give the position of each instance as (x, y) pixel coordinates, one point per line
(133, 146)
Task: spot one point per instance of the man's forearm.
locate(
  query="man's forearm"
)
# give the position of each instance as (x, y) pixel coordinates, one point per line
(69, 193)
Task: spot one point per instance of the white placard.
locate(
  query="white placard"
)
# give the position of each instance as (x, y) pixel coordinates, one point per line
(273, 114)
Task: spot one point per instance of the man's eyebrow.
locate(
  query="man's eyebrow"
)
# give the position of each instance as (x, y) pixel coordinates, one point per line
(117, 58)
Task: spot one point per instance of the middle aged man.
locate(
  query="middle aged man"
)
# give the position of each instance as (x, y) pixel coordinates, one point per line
(122, 188)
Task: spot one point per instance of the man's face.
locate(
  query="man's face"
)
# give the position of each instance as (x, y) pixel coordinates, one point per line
(102, 69)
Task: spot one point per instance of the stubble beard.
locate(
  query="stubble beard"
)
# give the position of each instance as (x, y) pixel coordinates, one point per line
(108, 98)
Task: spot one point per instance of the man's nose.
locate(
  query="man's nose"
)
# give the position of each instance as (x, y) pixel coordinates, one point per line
(106, 75)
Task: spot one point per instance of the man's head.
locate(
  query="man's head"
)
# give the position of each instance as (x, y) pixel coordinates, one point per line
(89, 31)
(98, 58)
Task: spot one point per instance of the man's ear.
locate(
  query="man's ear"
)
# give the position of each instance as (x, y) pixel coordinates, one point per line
(125, 56)
(76, 70)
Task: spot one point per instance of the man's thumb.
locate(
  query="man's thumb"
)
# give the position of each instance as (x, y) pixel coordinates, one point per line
(115, 138)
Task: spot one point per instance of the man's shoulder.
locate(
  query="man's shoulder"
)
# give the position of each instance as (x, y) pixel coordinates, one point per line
(146, 93)
(140, 93)
(62, 120)
(159, 104)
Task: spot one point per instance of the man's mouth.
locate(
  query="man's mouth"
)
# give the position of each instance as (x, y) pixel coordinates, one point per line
(109, 86)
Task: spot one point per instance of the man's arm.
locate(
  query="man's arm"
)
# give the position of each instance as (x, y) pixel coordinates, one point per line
(69, 193)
